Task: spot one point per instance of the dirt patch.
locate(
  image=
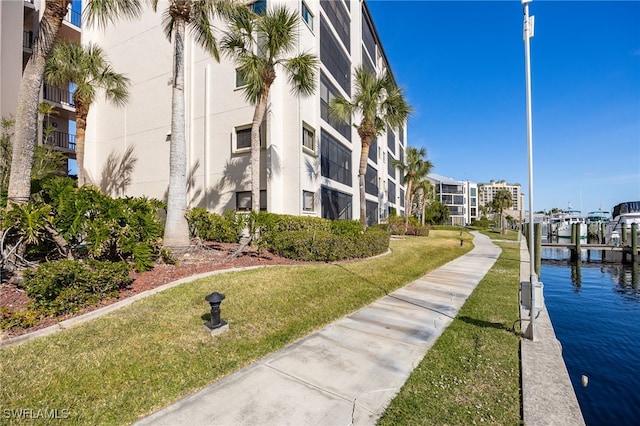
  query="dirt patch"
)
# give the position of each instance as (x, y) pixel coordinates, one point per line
(212, 257)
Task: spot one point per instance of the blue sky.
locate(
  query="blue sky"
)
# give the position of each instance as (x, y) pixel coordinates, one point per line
(462, 67)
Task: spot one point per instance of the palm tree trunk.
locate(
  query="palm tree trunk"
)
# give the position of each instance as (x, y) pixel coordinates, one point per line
(28, 99)
(176, 232)
(258, 115)
(362, 172)
(407, 206)
(81, 125)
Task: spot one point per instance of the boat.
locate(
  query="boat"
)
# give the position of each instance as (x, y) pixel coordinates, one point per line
(597, 217)
(596, 221)
(562, 223)
(623, 216)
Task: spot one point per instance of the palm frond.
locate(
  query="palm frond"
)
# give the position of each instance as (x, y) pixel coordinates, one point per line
(201, 28)
(302, 71)
(104, 12)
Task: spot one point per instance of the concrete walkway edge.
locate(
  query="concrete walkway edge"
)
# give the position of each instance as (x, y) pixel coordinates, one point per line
(348, 372)
(548, 397)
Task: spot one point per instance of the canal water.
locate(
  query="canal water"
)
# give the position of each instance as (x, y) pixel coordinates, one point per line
(595, 311)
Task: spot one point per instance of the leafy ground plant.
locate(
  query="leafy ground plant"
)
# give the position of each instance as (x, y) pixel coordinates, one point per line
(120, 367)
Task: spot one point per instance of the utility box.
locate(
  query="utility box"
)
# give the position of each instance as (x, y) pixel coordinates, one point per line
(525, 294)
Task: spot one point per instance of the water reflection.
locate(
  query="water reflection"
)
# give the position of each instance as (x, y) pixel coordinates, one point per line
(625, 277)
(576, 275)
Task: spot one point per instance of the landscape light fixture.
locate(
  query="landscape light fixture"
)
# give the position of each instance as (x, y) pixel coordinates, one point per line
(215, 323)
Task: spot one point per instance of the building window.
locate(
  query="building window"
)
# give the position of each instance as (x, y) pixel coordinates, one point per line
(370, 181)
(335, 159)
(401, 197)
(259, 7)
(333, 56)
(335, 204)
(240, 81)
(391, 140)
(373, 150)
(242, 139)
(308, 139)
(390, 169)
(307, 16)
(368, 38)
(327, 93)
(339, 18)
(392, 192)
(372, 213)
(243, 201)
(308, 201)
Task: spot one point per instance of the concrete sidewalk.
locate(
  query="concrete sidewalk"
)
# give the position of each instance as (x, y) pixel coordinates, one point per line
(348, 372)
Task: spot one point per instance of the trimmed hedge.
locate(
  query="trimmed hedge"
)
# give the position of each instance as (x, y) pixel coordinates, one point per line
(326, 246)
(213, 227)
(294, 237)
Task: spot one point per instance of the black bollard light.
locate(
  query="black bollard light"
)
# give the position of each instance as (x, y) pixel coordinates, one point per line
(215, 299)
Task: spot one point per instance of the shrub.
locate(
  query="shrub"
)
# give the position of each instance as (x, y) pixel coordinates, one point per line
(318, 245)
(396, 225)
(18, 319)
(67, 286)
(213, 227)
(271, 225)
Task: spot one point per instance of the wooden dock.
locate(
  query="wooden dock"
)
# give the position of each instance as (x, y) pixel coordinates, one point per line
(625, 251)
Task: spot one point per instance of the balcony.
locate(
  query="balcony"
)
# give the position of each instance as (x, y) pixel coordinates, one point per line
(61, 140)
(57, 95)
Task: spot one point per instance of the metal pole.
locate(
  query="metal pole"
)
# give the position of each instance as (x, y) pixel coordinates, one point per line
(528, 33)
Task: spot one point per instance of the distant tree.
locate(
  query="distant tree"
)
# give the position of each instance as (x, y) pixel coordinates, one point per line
(259, 45)
(424, 193)
(86, 66)
(502, 200)
(380, 103)
(415, 167)
(437, 213)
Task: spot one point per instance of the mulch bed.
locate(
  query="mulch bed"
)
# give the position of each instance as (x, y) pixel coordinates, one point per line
(212, 257)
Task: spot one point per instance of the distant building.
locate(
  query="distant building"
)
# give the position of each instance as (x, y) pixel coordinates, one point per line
(460, 197)
(488, 190)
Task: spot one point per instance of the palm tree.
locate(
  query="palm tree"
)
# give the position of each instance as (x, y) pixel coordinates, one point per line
(258, 44)
(423, 189)
(96, 11)
(502, 199)
(197, 15)
(381, 103)
(414, 168)
(87, 67)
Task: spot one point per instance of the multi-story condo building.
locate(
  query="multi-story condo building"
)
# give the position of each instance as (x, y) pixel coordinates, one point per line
(309, 161)
(459, 196)
(488, 190)
(19, 22)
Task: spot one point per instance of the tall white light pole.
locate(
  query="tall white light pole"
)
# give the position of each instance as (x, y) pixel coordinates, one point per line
(533, 279)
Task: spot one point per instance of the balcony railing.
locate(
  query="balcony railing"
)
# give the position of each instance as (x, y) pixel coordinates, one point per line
(57, 95)
(27, 39)
(74, 17)
(61, 140)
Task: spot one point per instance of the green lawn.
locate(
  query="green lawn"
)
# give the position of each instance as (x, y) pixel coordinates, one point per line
(117, 368)
(472, 373)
